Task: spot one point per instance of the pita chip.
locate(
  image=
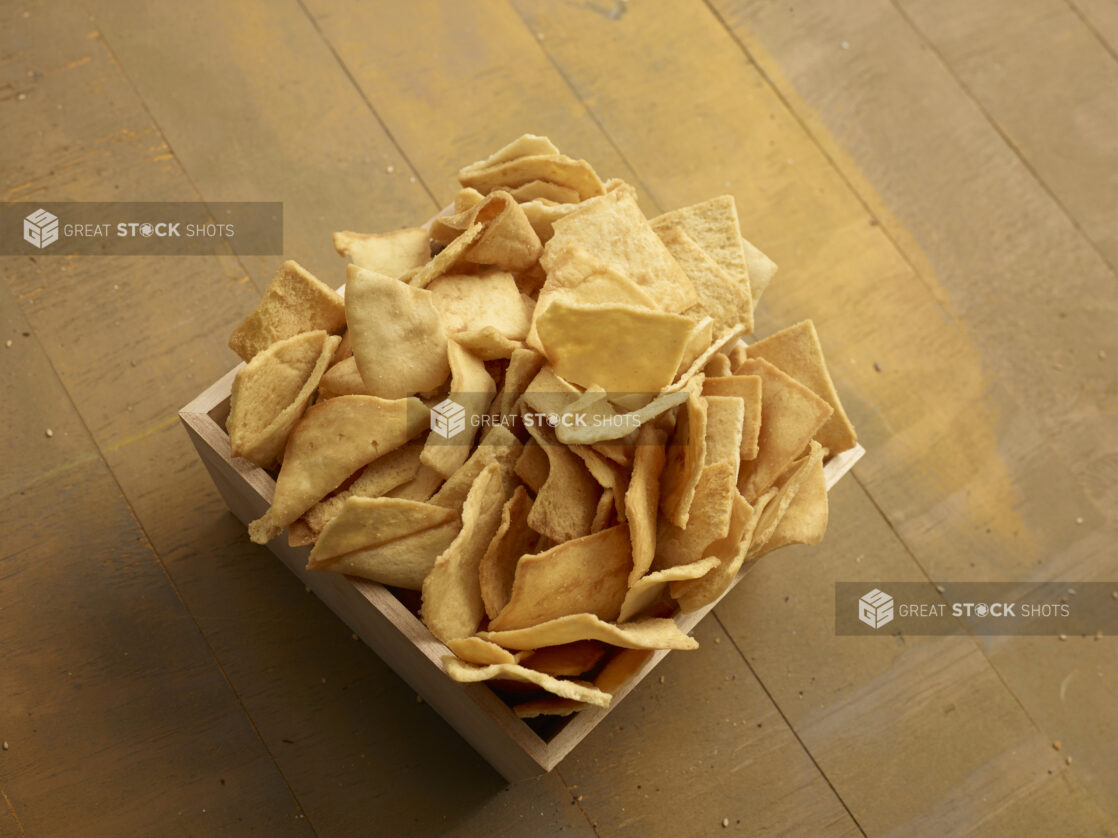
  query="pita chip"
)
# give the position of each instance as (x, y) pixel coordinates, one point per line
(271, 392)
(390, 254)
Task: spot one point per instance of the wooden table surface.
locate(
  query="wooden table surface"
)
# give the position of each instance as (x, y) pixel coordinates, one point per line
(938, 181)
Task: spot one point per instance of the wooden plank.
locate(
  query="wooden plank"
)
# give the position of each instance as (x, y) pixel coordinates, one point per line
(267, 115)
(930, 714)
(652, 770)
(950, 436)
(988, 239)
(1102, 17)
(987, 499)
(463, 103)
(1059, 114)
(34, 402)
(114, 713)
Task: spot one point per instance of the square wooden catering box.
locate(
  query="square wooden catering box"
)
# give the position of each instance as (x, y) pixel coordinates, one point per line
(392, 631)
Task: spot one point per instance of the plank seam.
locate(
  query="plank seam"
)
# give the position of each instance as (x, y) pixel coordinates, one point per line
(1003, 134)
(586, 108)
(1091, 28)
(788, 723)
(124, 497)
(368, 103)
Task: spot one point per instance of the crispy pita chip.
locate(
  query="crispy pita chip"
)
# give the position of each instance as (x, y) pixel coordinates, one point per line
(566, 502)
(506, 240)
(534, 189)
(524, 364)
(643, 497)
(607, 345)
(344, 350)
(583, 575)
(795, 351)
(526, 145)
(466, 198)
(659, 633)
(718, 366)
(398, 336)
(421, 487)
(650, 588)
(788, 486)
(725, 417)
(468, 673)
(577, 276)
(377, 478)
(622, 668)
(542, 215)
(805, 519)
(711, 511)
(569, 659)
(761, 270)
(737, 353)
(791, 415)
(403, 563)
(620, 426)
(342, 379)
(481, 652)
(294, 302)
(533, 466)
(371, 522)
(487, 343)
(388, 254)
(513, 539)
(472, 303)
(721, 296)
(553, 168)
(333, 440)
(452, 605)
(498, 445)
(715, 228)
(271, 392)
(451, 259)
(686, 456)
(615, 230)
(299, 534)
(748, 389)
(731, 551)
(603, 515)
(471, 391)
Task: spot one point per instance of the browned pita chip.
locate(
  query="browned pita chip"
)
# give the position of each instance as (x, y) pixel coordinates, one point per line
(553, 168)
(796, 352)
(294, 302)
(790, 416)
(377, 478)
(271, 392)
(652, 587)
(616, 232)
(513, 539)
(398, 337)
(643, 497)
(569, 659)
(471, 391)
(583, 575)
(342, 379)
(686, 455)
(709, 520)
(390, 254)
(748, 389)
(371, 522)
(566, 502)
(452, 605)
(468, 673)
(652, 633)
(805, 520)
(333, 440)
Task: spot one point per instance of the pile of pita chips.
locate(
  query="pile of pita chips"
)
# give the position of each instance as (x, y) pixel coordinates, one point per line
(538, 413)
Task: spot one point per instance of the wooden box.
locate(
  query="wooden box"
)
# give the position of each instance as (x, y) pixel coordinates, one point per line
(392, 631)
